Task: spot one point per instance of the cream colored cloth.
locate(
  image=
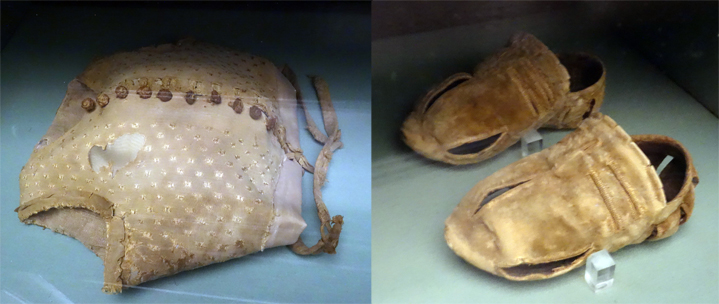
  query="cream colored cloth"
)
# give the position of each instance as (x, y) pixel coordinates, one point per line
(170, 158)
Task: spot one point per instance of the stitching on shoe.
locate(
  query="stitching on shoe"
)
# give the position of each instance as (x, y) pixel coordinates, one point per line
(605, 198)
(513, 76)
(626, 186)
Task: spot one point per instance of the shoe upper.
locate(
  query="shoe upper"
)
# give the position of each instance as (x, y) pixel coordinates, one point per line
(469, 118)
(596, 189)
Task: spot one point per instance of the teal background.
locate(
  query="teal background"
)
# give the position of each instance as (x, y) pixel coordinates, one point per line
(53, 44)
(412, 196)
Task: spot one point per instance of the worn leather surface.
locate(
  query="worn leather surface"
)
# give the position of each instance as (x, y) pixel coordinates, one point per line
(598, 188)
(214, 180)
(470, 118)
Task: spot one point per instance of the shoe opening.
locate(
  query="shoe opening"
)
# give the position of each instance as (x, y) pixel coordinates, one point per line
(670, 163)
(584, 70)
(475, 146)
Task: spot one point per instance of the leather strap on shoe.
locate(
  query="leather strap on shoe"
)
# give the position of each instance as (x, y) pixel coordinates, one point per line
(330, 229)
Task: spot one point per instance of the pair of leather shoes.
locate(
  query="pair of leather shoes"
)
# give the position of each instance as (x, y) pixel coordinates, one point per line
(606, 192)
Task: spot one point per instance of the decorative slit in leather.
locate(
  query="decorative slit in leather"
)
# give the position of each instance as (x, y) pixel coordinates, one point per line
(494, 194)
(475, 146)
(584, 70)
(523, 270)
(591, 107)
(446, 89)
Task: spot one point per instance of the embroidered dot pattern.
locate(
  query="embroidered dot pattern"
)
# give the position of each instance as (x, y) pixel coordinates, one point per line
(204, 170)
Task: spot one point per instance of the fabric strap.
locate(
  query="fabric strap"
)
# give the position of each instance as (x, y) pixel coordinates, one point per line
(330, 228)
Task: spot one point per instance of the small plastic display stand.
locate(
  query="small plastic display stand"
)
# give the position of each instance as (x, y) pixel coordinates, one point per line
(599, 272)
(531, 143)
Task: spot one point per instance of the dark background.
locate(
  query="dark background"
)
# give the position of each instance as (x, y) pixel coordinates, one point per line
(678, 37)
(14, 11)
(671, 34)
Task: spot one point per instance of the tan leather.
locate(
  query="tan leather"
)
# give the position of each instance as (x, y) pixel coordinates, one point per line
(217, 174)
(598, 188)
(469, 118)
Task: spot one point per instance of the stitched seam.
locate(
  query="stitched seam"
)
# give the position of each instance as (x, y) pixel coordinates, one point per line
(541, 87)
(627, 188)
(513, 76)
(605, 198)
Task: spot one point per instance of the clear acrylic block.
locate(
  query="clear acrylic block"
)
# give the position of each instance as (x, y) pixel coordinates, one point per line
(531, 143)
(599, 272)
